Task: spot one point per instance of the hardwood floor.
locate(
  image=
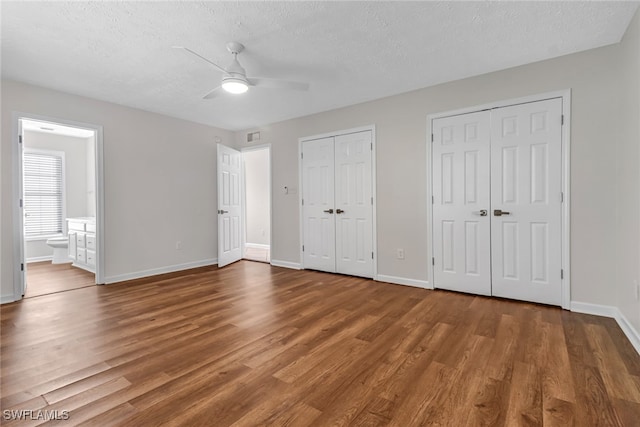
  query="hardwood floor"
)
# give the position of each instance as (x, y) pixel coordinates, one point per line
(256, 345)
(46, 278)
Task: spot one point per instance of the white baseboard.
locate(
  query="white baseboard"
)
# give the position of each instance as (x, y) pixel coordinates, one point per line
(613, 312)
(595, 309)
(403, 281)
(161, 270)
(40, 258)
(286, 264)
(257, 246)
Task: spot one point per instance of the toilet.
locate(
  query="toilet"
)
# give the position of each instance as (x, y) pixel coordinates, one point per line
(60, 247)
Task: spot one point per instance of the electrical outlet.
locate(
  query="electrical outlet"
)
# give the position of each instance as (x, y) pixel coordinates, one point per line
(178, 245)
(400, 254)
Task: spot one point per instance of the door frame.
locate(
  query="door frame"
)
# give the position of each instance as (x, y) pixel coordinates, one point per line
(565, 95)
(372, 129)
(18, 221)
(244, 196)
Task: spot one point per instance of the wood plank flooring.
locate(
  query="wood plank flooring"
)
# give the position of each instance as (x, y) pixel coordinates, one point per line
(46, 278)
(256, 345)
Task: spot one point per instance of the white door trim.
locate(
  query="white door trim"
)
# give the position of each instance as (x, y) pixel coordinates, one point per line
(18, 241)
(372, 129)
(566, 174)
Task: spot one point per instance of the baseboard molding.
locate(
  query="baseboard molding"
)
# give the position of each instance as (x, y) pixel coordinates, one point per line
(257, 246)
(613, 312)
(286, 264)
(40, 258)
(161, 270)
(403, 281)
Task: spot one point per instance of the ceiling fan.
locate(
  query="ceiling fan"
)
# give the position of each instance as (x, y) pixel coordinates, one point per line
(234, 78)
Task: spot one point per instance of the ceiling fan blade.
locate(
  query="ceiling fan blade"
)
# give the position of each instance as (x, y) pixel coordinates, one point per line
(212, 93)
(201, 57)
(279, 84)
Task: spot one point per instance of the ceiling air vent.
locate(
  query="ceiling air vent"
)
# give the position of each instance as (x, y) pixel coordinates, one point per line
(254, 136)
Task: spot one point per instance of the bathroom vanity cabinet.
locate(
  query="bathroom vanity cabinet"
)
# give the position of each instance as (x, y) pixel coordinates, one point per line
(82, 242)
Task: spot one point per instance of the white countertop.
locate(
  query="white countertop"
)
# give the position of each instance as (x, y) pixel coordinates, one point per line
(86, 219)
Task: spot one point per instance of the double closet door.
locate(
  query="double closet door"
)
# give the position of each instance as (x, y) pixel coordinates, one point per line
(497, 202)
(337, 204)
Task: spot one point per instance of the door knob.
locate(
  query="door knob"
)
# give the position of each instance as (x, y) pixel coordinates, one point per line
(329, 211)
(482, 212)
(499, 212)
(339, 211)
(220, 211)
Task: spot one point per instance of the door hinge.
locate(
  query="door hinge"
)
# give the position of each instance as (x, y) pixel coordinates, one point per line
(562, 120)
(562, 273)
(433, 261)
(372, 146)
(433, 200)
(302, 155)
(562, 197)
(302, 248)
(371, 255)
(21, 203)
(22, 267)
(19, 139)
(431, 137)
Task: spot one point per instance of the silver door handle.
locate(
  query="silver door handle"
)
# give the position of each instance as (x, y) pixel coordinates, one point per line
(499, 212)
(482, 212)
(329, 211)
(339, 211)
(220, 211)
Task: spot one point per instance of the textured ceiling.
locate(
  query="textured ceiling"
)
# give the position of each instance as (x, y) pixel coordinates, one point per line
(349, 52)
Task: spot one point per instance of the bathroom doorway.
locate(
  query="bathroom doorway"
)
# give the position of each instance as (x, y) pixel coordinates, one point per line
(59, 166)
(257, 179)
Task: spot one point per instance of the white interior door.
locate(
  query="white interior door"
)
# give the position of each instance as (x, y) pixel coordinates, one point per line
(526, 186)
(461, 203)
(318, 210)
(354, 204)
(229, 205)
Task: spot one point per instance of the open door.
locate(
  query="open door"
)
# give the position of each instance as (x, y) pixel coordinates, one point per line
(229, 205)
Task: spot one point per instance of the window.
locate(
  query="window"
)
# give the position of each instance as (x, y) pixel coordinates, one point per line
(43, 186)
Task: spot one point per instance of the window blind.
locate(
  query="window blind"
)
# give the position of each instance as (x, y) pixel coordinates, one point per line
(42, 194)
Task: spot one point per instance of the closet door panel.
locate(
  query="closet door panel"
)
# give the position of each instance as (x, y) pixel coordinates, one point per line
(526, 156)
(354, 204)
(318, 170)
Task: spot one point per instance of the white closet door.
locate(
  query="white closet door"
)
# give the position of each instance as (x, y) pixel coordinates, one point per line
(461, 225)
(229, 206)
(318, 208)
(354, 204)
(526, 185)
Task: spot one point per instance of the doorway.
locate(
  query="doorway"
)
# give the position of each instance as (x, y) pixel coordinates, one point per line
(498, 201)
(58, 174)
(257, 208)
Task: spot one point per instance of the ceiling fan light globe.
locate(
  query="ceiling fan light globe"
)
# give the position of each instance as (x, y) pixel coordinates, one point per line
(235, 86)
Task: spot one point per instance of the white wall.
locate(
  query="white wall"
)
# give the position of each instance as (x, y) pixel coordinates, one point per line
(160, 182)
(627, 176)
(76, 175)
(598, 119)
(258, 211)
